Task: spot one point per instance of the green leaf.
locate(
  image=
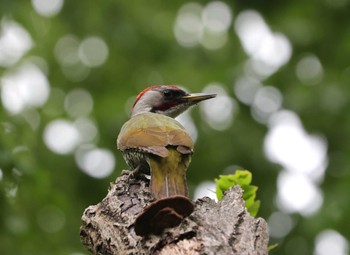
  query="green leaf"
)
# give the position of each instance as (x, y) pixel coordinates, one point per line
(272, 246)
(242, 178)
(254, 208)
(219, 193)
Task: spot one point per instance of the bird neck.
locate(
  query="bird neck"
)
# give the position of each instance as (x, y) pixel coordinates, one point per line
(172, 112)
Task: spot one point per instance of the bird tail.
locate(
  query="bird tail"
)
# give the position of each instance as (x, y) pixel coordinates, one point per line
(168, 174)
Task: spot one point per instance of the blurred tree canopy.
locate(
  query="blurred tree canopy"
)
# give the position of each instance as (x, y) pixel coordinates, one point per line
(70, 70)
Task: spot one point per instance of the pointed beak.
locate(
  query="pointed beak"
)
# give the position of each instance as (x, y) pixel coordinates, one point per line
(197, 97)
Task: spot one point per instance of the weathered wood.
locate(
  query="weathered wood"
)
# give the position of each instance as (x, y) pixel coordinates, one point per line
(213, 228)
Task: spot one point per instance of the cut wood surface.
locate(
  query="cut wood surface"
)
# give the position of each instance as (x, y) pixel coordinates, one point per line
(223, 227)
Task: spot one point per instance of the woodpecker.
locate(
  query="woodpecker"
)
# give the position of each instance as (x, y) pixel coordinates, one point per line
(153, 142)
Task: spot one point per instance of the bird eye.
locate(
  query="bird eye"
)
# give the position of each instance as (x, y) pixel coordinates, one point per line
(167, 93)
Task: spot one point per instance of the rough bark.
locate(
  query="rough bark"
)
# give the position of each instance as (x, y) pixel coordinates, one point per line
(213, 228)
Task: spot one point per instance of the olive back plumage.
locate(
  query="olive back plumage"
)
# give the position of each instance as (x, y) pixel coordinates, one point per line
(152, 133)
(152, 143)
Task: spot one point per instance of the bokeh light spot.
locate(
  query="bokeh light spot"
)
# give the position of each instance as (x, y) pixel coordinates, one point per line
(93, 51)
(213, 41)
(304, 159)
(16, 224)
(245, 89)
(51, 219)
(27, 86)
(269, 50)
(218, 112)
(66, 50)
(47, 8)
(67, 55)
(296, 193)
(188, 27)
(15, 41)
(331, 242)
(280, 224)
(207, 26)
(309, 70)
(96, 162)
(251, 29)
(78, 102)
(87, 129)
(267, 101)
(217, 16)
(61, 136)
(288, 144)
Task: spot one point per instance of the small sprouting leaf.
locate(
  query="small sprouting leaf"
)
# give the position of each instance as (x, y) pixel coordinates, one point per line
(242, 178)
(272, 246)
(219, 193)
(254, 208)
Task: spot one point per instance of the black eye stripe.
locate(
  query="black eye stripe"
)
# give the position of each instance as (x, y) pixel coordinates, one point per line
(169, 93)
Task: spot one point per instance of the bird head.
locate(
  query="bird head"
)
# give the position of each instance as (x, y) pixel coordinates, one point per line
(168, 100)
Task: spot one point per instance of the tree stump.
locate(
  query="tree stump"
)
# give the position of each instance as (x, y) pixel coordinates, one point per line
(224, 227)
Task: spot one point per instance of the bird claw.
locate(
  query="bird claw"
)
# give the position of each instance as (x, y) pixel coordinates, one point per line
(135, 174)
(126, 172)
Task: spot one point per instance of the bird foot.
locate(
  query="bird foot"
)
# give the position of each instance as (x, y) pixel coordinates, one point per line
(126, 172)
(135, 174)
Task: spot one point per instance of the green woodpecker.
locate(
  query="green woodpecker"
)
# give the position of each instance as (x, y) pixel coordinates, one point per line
(154, 143)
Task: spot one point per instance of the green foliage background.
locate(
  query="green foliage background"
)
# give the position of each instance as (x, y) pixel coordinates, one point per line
(143, 51)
